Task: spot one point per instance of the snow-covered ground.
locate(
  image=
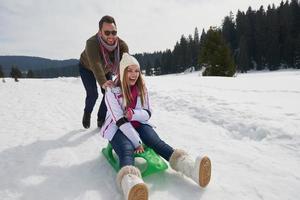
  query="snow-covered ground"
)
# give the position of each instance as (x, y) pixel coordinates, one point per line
(248, 125)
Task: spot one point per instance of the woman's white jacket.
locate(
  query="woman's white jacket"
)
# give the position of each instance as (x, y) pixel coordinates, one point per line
(115, 116)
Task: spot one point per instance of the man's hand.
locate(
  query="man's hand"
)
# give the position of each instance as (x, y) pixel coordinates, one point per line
(139, 149)
(108, 83)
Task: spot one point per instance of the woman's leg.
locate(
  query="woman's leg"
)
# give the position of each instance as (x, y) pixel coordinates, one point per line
(129, 177)
(123, 148)
(152, 140)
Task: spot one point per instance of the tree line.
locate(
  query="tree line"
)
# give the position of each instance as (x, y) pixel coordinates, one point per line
(252, 40)
(262, 39)
(65, 71)
(265, 39)
(37, 67)
(184, 55)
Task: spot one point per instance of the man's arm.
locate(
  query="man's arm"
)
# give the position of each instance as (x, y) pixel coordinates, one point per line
(97, 67)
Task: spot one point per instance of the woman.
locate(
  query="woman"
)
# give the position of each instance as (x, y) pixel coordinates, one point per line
(126, 127)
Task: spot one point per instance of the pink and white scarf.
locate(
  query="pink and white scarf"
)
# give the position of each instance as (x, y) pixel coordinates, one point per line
(105, 49)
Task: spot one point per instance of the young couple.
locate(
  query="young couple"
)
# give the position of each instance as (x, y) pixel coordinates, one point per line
(126, 127)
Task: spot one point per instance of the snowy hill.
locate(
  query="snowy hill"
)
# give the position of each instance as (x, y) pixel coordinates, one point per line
(25, 63)
(248, 125)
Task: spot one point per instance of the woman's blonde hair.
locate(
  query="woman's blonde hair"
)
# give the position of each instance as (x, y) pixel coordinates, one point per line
(127, 96)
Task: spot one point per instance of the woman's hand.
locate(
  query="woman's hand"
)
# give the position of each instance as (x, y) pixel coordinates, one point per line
(139, 149)
(128, 114)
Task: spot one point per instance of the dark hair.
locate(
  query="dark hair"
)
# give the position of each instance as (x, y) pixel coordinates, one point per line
(106, 19)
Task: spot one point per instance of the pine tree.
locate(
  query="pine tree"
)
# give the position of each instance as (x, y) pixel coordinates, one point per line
(183, 54)
(176, 61)
(147, 67)
(202, 39)
(297, 53)
(242, 57)
(285, 39)
(166, 62)
(216, 55)
(295, 18)
(15, 73)
(189, 52)
(195, 49)
(157, 67)
(1, 72)
(30, 74)
(240, 25)
(260, 35)
(243, 61)
(229, 31)
(250, 17)
(295, 30)
(196, 36)
(273, 50)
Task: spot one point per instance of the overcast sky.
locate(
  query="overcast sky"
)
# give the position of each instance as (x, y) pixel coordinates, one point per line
(58, 29)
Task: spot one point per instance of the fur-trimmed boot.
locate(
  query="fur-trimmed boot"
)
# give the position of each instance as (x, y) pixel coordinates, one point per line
(130, 181)
(199, 170)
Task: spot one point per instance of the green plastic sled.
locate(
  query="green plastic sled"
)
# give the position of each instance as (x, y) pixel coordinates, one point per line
(154, 162)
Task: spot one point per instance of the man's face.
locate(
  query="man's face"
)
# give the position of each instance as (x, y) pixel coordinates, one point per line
(108, 33)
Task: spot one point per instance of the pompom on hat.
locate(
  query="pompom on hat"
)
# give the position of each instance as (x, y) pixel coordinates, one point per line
(126, 61)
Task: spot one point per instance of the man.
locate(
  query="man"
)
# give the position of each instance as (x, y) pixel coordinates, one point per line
(100, 61)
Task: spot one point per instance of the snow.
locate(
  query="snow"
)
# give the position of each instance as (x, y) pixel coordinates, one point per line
(248, 126)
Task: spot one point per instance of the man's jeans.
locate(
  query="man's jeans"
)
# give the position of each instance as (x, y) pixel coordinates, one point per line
(90, 85)
(125, 150)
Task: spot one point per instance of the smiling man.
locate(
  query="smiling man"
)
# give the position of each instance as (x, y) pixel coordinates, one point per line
(99, 62)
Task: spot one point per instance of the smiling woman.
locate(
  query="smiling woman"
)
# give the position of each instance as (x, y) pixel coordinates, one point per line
(127, 128)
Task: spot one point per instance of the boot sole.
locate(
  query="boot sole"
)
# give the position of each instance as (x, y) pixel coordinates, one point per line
(138, 192)
(204, 172)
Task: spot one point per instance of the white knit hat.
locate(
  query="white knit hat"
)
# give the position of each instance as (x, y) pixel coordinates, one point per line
(126, 61)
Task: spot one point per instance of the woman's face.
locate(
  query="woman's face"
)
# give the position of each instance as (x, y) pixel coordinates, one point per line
(132, 74)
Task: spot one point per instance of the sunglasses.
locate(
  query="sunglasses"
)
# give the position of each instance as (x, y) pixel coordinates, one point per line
(107, 33)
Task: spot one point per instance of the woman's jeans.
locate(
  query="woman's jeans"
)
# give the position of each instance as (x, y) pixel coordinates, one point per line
(90, 85)
(125, 149)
